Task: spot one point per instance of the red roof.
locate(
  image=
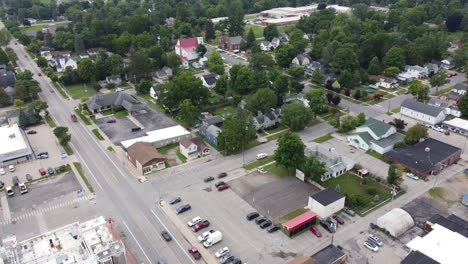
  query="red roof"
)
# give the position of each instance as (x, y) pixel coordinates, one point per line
(300, 220)
(189, 44)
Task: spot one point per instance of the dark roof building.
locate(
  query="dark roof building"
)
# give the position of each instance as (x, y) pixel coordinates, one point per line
(330, 255)
(214, 120)
(425, 158)
(102, 102)
(416, 257)
(327, 196)
(422, 107)
(452, 222)
(7, 78)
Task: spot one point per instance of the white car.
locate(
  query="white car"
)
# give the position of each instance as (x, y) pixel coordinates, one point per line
(376, 239)
(2, 171)
(9, 191)
(11, 168)
(412, 176)
(194, 221)
(201, 238)
(222, 252)
(371, 246)
(261, 156)
(439, 129)
(119, 89)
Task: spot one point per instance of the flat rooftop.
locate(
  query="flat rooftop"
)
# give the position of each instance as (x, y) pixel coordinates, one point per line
(157, 135)
(11, 139)
(458, 122)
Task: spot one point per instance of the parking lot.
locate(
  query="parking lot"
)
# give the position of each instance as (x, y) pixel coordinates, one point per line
(272, 196)
(152, 119)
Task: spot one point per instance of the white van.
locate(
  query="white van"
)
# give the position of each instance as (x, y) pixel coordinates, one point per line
(213, 238)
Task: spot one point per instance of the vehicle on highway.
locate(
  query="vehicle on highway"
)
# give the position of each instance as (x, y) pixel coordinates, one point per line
(39, 74)
(261, 156)
(375, 239)
(371, 246)
(412, 176)
(194, 221)
(183, 208)
(349, 211)
(223, 187)
(22, 187)
(222, 252)
(222, 175)
(74, 118)
(201, 238)
(315, 231)
(260, 220)
(9, 190)
(166, 236)
(31, 132)
(11, 168)
(226, 258)
(2, 171)
(2, 184)
(200, 225)
(175, 200)
(42, 172)
(251, 216)
(52, 90)
(339, 219)
(29, 177)
(265, 224)
(273, 228)
(194, 252)
(15, 180)
(219, 184)
(213, 238)
(111, 121)
(50, 171)
(208, 179)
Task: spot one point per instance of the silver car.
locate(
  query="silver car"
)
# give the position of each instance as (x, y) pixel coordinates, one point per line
(371, 246)
(377, 240)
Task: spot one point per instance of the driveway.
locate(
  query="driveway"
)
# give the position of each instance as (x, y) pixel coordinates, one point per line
(228, 58)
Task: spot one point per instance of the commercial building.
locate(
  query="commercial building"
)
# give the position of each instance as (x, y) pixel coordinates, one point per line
(300, 223)
(281, 21)
(330, 255)
(161, 137)
(146, 158)
(427, 114)
(302, 260)
(102, 102)
(14, 146)
(396, 222)
(335, 163)
(282, 12)
(457, 125)
(91, 242)
(326, 203)
(425, 158)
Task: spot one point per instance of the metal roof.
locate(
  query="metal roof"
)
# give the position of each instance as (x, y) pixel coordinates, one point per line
(300, 220)
(422, 107)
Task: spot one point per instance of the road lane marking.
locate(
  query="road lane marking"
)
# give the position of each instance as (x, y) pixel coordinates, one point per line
(144, 253)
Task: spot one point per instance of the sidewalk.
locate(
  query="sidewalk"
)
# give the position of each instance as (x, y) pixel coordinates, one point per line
(188, 234)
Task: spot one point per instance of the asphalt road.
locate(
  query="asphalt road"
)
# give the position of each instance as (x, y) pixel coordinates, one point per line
(118, 194)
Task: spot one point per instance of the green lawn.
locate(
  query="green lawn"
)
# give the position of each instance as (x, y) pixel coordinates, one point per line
(80, 171)
(285, 29)
(121, 114)
(150, 100)
(277, 135)
(258, 30)
(292, 215)
(279, 128)
(78, 91)
(213, 100)
(250, 17)
(323, 139)
(443, 91)
(61, 91)
(313, 122)
(164, 150)
(375, 155)
(107, 113)
(97, 134)
(277, 170)
(225, 111)
(259, 163)
(181, 157)
(50, 122)
(31, 28)
(110, 148)
(68, 150)
(83, 117)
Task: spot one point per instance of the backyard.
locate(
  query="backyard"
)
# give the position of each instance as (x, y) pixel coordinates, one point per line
(81, 90)
(31, 29)
(225, 111)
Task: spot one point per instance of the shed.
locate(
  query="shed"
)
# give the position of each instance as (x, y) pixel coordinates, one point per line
(396, 222)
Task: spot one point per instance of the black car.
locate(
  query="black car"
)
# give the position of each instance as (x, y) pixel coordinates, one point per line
(57, 170)
(29, 177)
(235, 261)
(50, 171)
(2, 184)
(252, 216)
(183, 208)
(273, 228)
(32, 132)
(260, 220)
(175, 200)
(265, 224)
(166, 236)
(327, 225)
(219, 184)
(208, 179)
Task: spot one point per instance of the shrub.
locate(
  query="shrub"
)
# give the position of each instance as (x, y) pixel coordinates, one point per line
(365, 181)
(371, 191)
(357, 166)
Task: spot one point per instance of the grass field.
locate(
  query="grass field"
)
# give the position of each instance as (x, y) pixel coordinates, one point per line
(121, 114)
(259, 163)
(31, 29)
(375, 155)
(225, 111)
(277, 170)
(83, 117)
(78, 91)
(292, 215)
(258, 30)
(80, 171)
(276, 136)
(323, 139)
(97, 134)
(286, 29)
(50, 122)
(165, 149)
(181, 157)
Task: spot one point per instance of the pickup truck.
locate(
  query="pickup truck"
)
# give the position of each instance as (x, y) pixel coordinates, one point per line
(194, 252)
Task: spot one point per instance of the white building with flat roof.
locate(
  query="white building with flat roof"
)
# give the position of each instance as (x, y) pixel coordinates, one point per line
(14, 146)
(161, 137)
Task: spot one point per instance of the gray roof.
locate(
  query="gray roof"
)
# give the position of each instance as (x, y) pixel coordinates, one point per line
(213, 120)
(113, 99)
(416, 257)
(7, 78)
(365, 136)
(460, 86)
(327, 196)
(378, 127)
(236, 40)
(439, 103)
(211, 130)
(389, 141)
(210, 79)
(327, 255)
(10, 91)
(421, 107)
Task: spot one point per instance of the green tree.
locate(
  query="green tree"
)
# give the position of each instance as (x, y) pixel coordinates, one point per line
(391, 72)
(438, 80)
(236, 134)
(183, 86)
(201, 50)
(296, 116)
(216, 62)
(290, 151)
(336, 85)
(317, 101)
(270, 32)
(62, 134)
(42, 62)
(222, 84)
(236, 18)
(241, 78)
(5, 37)
(31, 116)
(4, 98)
(261, 61)
(296, 73)
(140, 65)
(374, 66)
(210, 30)
(3, 57)
(346, 79)
(250, 41)
(188, 112)
(395, 57)
(283, 59)
(280, 85)
(297, 41)
(415, 134)
(317, 77)
(393, 177)
(173, 61)
(463, 105)
(22, 119)
(417, 88)
(38, 106)
(87, 70)
(461, 56)
(143, 87)
(314, 168)
(262, 100)
(18, 103)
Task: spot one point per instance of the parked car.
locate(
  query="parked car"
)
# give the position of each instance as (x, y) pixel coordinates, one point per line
(349, 212)
(251, 216)
(43, 155)
(222, 252)
(328, 225)
(2, 171)
(194, 252)
(219, 184)
(201, 238)
(235, 261)
(260, 220)
(183, 208)
(223, 187)
(200, 225)
(273, 228)
(166, 236)
(226, 258)
(261, 156)
(194, 221)
(452, 75)
(175, 200)
(11, 168)
(119, 89)
(2, 184)
(412, 176)
(9, 190)
(32, 132)
(22, 187)
(208, 179)
(376, 239)
(371, 246)
(339, 219)
(39, 74)
(42, 172)
(29, 177)
(15, 180)
(50, 171)
(265, 224)
(222, 175)
(315, 231)
(111, 121)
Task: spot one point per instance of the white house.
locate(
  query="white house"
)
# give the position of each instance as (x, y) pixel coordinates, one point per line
(154, 92)
(193, 148)
(424, 113)
(266, 46)
(447, 63)
(335, 163)
(62, 62)
(386, 82)
(326, 203)
(271, 118)
(302, 60)
(50, 55)
(187, 48)
(209, 80)
(376, 136)
(413, 72)
(460, 88)
(448, 107)
(301, 98)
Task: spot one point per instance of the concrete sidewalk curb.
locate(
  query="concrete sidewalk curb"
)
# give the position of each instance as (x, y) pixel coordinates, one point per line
(89, 194)
(5, 207)
(188, 234)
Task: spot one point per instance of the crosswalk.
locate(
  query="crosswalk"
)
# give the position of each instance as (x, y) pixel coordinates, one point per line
(44, 210)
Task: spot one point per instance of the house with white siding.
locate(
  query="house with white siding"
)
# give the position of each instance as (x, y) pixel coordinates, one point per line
(424, 113)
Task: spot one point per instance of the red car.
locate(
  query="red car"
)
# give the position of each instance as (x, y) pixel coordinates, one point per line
(223, 187)
(111, 121)
(315, 231)
(222, 175)
(338, 219)
(200, 225)
(194, 252)
(42, 172)
(452, 75)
